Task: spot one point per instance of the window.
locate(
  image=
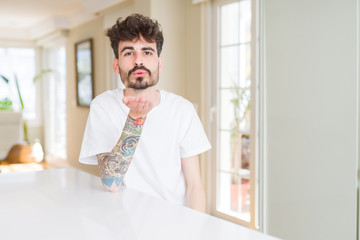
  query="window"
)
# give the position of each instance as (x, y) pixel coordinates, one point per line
(45, 101)
(55, 104)
(235, 193)
(19, 62)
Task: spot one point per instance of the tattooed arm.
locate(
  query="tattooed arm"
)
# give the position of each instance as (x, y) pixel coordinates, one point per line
(113, 165)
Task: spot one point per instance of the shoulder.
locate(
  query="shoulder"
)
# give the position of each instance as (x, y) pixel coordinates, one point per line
(178, 108)
(174, 100)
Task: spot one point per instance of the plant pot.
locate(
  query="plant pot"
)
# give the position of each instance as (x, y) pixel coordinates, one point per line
(29, 153)
(234, 197)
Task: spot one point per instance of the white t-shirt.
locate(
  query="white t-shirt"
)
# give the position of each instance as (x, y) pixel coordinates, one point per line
(172, 131)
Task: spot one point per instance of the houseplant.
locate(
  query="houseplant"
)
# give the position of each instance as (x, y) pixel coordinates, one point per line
(6, 104)
(22, 153)
(241, 109)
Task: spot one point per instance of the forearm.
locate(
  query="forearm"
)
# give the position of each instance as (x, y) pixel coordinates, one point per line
(195, 193)
(196, 199)
(114, 165)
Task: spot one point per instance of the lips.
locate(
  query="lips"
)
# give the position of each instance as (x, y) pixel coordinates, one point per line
(139, 73)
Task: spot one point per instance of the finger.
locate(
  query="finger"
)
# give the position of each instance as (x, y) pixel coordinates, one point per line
(131, 104)
(125, 100)
(144, 105)
(128, 100)
(150, 104)
(142, 100)
(138, 102)
(134, 101)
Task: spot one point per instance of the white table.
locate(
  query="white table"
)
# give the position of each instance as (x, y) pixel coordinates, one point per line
(70, 204)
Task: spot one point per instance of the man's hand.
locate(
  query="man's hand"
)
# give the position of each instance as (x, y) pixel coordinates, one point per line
(139, 106)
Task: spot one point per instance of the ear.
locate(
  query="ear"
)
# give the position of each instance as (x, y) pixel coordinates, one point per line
(160, 63)
(116, 66)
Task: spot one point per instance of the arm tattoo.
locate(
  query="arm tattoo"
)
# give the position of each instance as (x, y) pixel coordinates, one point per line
(114, 165)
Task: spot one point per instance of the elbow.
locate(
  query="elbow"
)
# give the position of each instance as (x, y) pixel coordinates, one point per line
(196, 198)
(113, 189)
(112, 184)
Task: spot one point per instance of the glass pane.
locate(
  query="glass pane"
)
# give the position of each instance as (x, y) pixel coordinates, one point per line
(229, 24)
(235, 109)
(228, 107)
(10, 59)
(234, 195)
(55, 109)
(225, 151)
(224, 192)
(244, 111)
(229, 66)
(245, 152)
(234, 154)
(244, 65)
(245, 21)
(244, 199)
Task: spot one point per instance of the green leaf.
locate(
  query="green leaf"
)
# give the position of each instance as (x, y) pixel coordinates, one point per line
(18, 90)
(41, 74)
(5, 79)
(6, 104)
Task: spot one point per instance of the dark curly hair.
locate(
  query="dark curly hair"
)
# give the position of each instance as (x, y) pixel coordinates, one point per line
(132, 28)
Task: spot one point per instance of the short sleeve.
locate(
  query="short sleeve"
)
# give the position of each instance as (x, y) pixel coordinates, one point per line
(98, 136)
(195, 140)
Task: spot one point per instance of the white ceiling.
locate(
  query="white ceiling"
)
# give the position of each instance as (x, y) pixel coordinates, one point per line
(31, 19)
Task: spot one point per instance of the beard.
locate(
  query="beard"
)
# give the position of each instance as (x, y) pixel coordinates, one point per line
(139, 83)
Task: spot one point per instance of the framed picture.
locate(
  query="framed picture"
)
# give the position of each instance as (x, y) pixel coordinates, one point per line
(84, 72)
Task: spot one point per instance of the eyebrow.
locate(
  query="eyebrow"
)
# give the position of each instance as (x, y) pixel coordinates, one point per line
(148, 48)
(126, 48)
(143, 49)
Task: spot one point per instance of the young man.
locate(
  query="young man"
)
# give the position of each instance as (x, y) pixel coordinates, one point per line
(162, 127)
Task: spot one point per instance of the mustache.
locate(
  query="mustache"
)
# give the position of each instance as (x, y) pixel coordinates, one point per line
(139, 67)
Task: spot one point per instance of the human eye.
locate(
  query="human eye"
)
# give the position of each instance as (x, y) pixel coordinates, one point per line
(148, 53)
(128, 53)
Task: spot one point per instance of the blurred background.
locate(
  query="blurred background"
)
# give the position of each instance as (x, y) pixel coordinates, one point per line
(275, 84)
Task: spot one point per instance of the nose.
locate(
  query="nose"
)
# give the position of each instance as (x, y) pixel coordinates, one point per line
(138, 60)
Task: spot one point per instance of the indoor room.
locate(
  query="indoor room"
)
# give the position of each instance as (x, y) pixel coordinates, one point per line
(250, 98)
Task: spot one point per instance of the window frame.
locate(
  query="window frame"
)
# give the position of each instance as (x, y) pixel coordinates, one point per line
(214, 120)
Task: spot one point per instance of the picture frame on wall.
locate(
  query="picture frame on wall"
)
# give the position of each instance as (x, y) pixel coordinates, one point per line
(84, 72)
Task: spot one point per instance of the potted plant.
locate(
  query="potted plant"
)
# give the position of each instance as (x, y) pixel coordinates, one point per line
(23, 153)
(6, 104)
(241, 108)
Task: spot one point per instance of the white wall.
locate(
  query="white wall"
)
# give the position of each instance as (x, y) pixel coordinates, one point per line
(311, 118)
(77, 116)
(171, 15)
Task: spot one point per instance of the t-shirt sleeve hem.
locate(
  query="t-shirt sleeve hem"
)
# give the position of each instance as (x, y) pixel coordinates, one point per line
(84, 161)
(195, 152)
(91, 158)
